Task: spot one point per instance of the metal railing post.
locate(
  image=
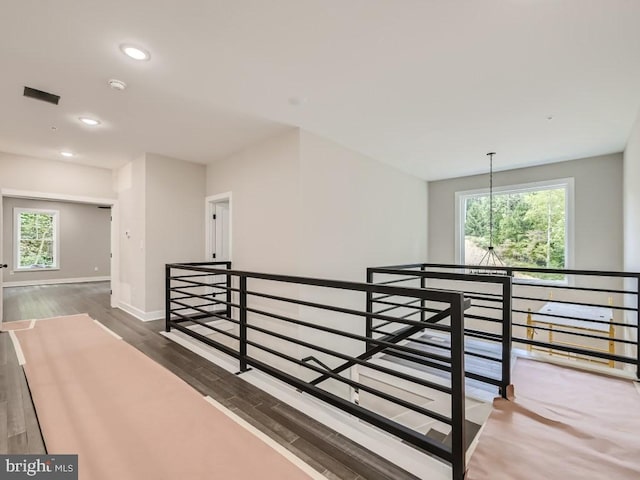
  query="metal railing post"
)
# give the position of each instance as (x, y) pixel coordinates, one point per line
(638, 327)
(507, 339)
(369, 309)
(243, 323)
(228, 291)
(167, 298)
(423, 302)
(458, 413)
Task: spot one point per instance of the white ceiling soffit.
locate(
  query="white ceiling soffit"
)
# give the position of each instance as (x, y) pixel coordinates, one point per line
(427, 86)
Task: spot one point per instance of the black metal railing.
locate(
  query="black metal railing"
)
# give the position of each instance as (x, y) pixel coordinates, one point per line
(313, 334)
(586, 315)
(490, 302)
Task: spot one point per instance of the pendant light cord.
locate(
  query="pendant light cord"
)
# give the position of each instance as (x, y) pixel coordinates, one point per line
(491, 154)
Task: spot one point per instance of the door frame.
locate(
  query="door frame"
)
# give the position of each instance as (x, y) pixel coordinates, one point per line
(115, 247)
(210, 205)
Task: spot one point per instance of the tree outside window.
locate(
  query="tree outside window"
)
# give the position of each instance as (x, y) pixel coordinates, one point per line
(529, 228)
(36, 238)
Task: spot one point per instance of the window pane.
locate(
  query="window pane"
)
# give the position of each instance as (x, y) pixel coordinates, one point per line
(36, 240)
(529, 229)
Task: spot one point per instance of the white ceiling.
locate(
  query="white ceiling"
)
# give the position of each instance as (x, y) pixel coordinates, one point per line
(427, 85)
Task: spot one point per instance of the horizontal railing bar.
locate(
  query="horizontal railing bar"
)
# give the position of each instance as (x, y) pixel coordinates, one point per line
(204, 314)
(199, 306)
(212, 343)
(354, 336)
(495, 337)
(194, 283)
(430, 310)
(217, 330)
(426, 294)
(448, 348)
(468, 374)
(599, 273)
(354, 384)
(482, 317)
(405, 433)
(464, 277)
(203, 264)
(381, 297)
(385, 424)
(397, 280)
(570, 287)
(195, 275)
(199, 283)
(394, 338)
(186, 296)
(189, 317)
(398, 305)
(411, 314)
(204, 297)
(333, 353)
(497, 299)
(331, 308)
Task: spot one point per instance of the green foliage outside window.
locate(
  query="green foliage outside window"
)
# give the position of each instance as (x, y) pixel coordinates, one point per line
(36, 240)
(528, 229)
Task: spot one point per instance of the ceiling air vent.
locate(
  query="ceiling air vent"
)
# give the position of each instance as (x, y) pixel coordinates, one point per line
(40, 95)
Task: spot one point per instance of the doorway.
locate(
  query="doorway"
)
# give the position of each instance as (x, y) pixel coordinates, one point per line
(51, 197)
(218, 231)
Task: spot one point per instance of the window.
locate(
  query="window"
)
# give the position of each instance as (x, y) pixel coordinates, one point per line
(531, 226)
(36, 239)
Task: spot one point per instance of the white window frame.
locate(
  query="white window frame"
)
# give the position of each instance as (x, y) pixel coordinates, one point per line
(566, 183)
(17, 211)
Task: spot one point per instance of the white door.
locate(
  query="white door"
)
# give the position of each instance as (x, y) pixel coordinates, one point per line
(221, 239)
(3, 265)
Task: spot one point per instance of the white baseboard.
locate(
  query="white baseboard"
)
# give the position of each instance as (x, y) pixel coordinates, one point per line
(29, 283)
(140, 314)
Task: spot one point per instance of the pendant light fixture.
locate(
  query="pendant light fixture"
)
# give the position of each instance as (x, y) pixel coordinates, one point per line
(491, 258)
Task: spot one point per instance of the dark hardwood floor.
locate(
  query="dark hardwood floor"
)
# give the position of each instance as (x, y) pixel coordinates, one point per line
(324, 449)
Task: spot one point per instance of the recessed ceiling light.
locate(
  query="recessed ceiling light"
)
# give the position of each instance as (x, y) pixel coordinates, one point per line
(92, 122)
(136, 53)
(66, 154)
(117, 84)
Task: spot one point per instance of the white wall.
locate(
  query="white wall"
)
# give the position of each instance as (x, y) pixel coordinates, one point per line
(35, 175)
(598, 208)
(130, 184)
(632, 226)
(357, 212)
(264, 180)
(162, 211)
(303, 205)
(632, 200)
(174, 206)
(84, 238)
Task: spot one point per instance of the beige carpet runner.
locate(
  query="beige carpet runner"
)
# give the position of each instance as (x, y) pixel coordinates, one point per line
(565, 424)
(129, 418)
